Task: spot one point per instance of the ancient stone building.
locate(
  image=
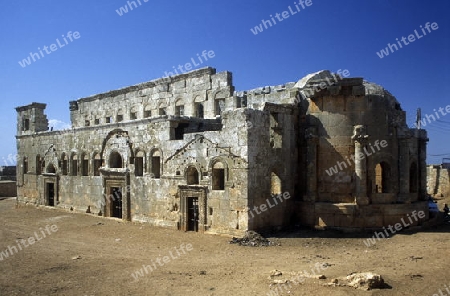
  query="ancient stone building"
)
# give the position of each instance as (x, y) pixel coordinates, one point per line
(190, 152)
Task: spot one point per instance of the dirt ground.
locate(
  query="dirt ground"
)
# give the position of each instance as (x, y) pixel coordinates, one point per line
(89, 255)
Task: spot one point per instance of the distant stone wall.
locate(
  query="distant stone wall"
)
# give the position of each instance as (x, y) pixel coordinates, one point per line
(8, 189)
(8, 173)
(438, 181)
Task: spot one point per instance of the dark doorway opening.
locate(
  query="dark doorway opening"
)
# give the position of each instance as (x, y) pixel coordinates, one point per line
(51, 194)
(193, 214)
(116, 202)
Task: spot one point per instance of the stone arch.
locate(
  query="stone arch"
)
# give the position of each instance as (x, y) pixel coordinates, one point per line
(119, 141)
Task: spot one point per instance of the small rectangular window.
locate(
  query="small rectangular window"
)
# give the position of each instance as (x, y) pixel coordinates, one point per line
(119, 118)
(26, 124)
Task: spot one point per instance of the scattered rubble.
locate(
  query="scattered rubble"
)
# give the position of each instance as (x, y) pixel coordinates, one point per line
(361, 280)
(253, 239)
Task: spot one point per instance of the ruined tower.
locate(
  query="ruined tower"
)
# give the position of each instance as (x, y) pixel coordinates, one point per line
(31, 119)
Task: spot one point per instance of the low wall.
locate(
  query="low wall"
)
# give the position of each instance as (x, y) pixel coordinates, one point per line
(438, 181)
(351, 216)
(8, 189)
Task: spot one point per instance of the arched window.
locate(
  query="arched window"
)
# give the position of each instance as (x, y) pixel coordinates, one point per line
(219, 103)
(199, 110)
(50, 169)
(147, 111)
(115, 160)
(192, 176)
(97, 164)
(179, 107)
(85, 165)
(139, 163)
(382, 175)
(38, 165)
(134, 113)
(219, 106)
(74, 164)
(162, 108)
(64, 164)
(156, 164)
(275, 184)
(218, 176)
(119, 117)
(413, 178)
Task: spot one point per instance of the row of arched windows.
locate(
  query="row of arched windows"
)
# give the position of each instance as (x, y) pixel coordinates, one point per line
(76, 165)
(81, 165)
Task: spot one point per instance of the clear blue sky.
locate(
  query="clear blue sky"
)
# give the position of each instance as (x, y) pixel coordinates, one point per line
(115, 51)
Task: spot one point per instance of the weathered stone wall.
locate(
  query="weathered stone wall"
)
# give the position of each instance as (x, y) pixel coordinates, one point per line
(438, 181)
(340, 122)
(153, 200)
(159, 97)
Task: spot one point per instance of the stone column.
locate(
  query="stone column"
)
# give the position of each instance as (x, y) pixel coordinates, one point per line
(360, 139)
(311, 160)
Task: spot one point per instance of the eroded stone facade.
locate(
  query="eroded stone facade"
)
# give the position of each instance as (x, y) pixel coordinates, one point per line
(190, 152)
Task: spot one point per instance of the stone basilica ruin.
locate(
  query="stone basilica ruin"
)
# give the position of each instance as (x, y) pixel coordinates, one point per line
(189, 152)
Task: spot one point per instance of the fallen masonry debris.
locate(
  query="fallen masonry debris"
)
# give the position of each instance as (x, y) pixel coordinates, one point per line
(360, 280)
(253, 239)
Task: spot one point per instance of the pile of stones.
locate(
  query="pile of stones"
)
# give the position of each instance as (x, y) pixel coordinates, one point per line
(253, 239)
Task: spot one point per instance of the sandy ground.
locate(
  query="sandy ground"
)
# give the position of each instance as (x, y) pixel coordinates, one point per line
(87, 255)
